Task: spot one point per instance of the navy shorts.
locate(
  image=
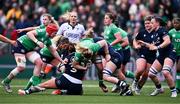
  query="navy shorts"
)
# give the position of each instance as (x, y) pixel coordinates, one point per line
(149, 58)
(126, 56)
(19, 48)
(63, 83)
(116, 58)
(46, 59)
(164, 54)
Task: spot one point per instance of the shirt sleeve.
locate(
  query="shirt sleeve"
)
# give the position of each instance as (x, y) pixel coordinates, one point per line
(77, 57)
(60, 31)
(95, 47)
(48, 42)
(163, 32)
(170, 33)
(115, 30)
(138, 36)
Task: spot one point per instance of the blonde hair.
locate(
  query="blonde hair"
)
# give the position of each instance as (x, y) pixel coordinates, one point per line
(66, 16)
(56, 38)
(51, 18)
(89, 33)
(87, 53)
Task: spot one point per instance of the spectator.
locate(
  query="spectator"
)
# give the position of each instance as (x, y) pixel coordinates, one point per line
(14, 13)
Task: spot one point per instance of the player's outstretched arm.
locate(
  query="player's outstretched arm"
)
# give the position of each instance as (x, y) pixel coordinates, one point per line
(4, 39)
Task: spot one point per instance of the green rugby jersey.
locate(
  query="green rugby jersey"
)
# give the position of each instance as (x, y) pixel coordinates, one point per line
(87, 43)
(41, 36)
(175, 39)
(124, 35)
(109, 32)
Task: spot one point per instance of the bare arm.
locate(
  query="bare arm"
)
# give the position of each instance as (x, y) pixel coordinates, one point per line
(125, 42)
(55, 54)
(117, 40)
(76, 65)
(4, 39)
(104, 44)
(27, 29)
(166, 41)
(32, 36)
(136, 44)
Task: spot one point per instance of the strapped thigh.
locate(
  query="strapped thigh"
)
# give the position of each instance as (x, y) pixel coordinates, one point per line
(20, 60)
(167, 68)
(153, 71)
(33, 56)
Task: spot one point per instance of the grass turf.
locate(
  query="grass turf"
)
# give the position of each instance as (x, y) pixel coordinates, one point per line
(92, 95)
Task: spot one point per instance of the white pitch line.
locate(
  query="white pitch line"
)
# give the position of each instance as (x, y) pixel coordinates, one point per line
(147, 86)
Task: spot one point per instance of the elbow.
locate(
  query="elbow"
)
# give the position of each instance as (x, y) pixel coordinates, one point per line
(169, 41)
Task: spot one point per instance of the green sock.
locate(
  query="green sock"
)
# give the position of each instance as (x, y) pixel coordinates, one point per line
(129, 74)
(100, 81)
(178, 80)
(28, 84)
(36, 80)
(7, 80)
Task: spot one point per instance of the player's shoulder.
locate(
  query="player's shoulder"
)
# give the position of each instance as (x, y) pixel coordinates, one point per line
(162, 29)
(142, 32)
(65, 24)
(80, 25)
(172, 30)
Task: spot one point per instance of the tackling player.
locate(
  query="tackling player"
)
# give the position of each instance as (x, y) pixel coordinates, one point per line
(25, 48)
(165, 60)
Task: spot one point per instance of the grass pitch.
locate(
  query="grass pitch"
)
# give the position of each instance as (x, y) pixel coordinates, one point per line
(92, 95)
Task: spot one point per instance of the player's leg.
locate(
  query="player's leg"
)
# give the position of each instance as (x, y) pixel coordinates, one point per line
(178, 74)
(155, 68)
(21, 63)
(167, 67)
(140, 68)
(119, 75)
(34, 57)
(107, 76)
(142, 80)
(50, 84)
(126, 59)
(99, 66)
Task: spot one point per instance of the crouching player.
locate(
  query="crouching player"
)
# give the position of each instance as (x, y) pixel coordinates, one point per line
(47, 57)
(70, 80)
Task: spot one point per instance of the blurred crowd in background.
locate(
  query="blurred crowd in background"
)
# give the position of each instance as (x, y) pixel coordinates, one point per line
(17, 14)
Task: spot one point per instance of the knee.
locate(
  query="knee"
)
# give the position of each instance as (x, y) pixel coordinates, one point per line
(166, 73)
(152, 72)
(39, 62)
(21, 68)
(139, 72)
(105, 76)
